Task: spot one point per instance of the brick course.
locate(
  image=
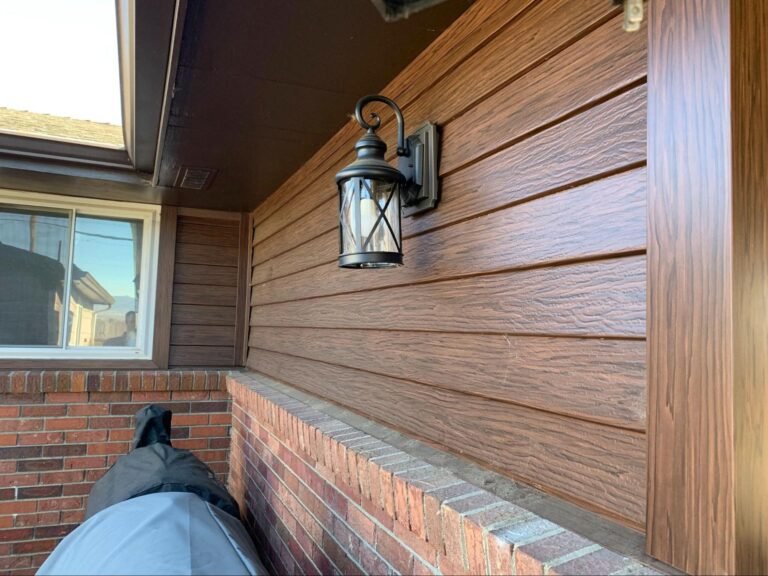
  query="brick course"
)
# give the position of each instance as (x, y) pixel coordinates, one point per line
(322, 497)
(61, 430)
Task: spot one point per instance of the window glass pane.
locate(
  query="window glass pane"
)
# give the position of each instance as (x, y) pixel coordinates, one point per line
(105, 282)
(34, 256)
(60, 71)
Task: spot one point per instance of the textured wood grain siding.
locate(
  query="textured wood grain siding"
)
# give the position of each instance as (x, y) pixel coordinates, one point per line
(208, 259)
(708, 285)
(515, 332)
(750, 290)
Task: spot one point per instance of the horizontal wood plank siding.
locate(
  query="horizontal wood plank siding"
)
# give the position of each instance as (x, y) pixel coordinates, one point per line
(208, 260)
(515, 332)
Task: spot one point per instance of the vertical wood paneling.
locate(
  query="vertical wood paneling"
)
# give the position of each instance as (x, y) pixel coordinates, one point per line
(209, 281)
(523, 294)
(690, 362)
(749, 28)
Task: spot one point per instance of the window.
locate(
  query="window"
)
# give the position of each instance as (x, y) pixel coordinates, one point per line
(77, 277)
(60, 69)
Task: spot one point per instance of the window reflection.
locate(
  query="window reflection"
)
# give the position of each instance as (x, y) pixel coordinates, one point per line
(34, 256)
(105, 282)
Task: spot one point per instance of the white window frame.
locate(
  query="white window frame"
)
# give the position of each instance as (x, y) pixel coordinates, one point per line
(150, 216)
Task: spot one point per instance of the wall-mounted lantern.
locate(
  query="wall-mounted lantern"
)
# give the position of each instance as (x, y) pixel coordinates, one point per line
(372, 193)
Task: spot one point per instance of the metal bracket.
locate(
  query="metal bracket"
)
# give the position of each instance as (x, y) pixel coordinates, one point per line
(421, 191)
(633, 14)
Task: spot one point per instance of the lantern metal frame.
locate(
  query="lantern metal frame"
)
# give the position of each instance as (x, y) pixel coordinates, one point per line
(414, 180)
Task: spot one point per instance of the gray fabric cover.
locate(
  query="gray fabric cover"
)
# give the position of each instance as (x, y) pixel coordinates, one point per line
(155, 466)
(161, 533)
(158, 468)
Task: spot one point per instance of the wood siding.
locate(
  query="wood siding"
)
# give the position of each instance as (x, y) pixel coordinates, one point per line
(515, 332)
(209, 255)
(708, 285)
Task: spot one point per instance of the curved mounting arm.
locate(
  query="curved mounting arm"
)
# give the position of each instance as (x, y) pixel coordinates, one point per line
(402, 144)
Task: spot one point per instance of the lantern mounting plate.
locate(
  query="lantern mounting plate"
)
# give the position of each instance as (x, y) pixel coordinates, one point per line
(419, 167)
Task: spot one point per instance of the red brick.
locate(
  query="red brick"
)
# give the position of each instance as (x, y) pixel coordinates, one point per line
(110, 397)
(7, 521)
(361, 524)
(474, 540)
(59, 531)
(425, 551)
(60, 504)
(212, 455)
(208, 431)
(72, 516)
(219, 443)
(537, 556)
(8, 439)
(416, 519)
(82, 489)
(18, 381)
(394, 552)
(61, 477)
(221, 418)
(451, 566)
(34, 546)
(10, 411)
(77, 381)
(500, 559)
(45, 410)
(39, 519)
(20, 452)
(372, 563)
(21, 425)
(18, 480)
(66, 423)
(38, 492)
(86, 436)
(85, 462)
(110, 422)
(88, 409)
(18, 506)
(106, 448)
(190, 419)
(41, 438)
(66, 397)
(40, 465)
(191, 444)
(14, 564)
(121, 434)
(190, 394)
(198, 407)
(55, 450)
(453, 541)
(15, 534)
(150, 397)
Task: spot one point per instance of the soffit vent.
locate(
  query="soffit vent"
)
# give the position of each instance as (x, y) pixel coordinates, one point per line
(194, 178)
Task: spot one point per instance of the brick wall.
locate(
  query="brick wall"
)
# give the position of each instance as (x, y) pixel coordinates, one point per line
(322, 497)
(60, 431)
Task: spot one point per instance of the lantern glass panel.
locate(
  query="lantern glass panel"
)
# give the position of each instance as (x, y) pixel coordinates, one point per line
(370, 217)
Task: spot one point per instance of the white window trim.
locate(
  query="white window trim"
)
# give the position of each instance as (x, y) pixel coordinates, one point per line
(150, 215)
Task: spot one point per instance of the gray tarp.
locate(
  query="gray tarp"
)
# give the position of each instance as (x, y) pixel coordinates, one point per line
(158, 510)
(163, 533)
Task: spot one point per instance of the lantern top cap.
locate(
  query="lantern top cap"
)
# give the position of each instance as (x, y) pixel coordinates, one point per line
(370, 162)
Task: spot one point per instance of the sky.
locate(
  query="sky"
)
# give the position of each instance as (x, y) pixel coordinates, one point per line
(59, 57)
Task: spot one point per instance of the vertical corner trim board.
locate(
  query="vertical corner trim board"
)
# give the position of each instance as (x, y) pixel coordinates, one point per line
(708, 285)
(520, 312)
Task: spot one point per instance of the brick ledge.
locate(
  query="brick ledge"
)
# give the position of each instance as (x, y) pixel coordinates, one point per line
(384, 503)
(44, 381)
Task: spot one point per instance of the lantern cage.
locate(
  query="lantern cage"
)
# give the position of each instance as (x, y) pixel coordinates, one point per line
(372, 193)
